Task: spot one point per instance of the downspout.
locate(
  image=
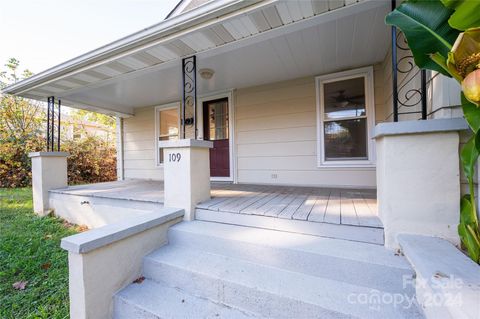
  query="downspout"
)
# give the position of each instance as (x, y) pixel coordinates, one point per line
(119, 146)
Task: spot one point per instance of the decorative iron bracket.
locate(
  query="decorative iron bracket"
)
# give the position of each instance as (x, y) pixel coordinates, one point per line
(188, 114)
(53, 123)
(404, 96)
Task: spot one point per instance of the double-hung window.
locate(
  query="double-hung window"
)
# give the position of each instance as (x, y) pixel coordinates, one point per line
(345, 119)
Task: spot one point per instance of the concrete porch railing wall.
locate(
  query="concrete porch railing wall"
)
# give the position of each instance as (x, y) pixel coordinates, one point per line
(418, 178)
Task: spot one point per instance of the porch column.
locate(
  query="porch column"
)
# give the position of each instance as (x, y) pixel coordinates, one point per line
(186, 173)
(418, 178)
(49, 171)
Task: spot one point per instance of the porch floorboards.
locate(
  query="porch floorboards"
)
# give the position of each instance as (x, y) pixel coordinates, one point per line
(353, 207)
(322, 205)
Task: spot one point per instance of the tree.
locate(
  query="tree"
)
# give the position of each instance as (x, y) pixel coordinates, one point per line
(22, 131)
(19, 118)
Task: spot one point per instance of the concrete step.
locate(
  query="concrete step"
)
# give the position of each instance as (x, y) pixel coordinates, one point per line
(364, 234)
(352, 262)
(149, 300)
(269, 291)
(445, 273)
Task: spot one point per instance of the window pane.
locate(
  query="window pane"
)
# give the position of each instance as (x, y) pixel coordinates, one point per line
(168, 127)
(168, 124)
(218, 120)
(344, 98)
(346, 140)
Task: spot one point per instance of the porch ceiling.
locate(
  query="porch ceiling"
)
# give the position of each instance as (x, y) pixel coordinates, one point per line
(267, 42)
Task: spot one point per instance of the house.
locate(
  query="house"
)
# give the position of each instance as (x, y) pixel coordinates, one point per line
(254, 139)
(77, 128)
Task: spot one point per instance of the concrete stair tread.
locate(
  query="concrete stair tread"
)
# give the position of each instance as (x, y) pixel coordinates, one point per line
(445, 273)
(323, 257)
(156, 300)
(431, 255)
(374, 235)
(351, 250)
(195, 270)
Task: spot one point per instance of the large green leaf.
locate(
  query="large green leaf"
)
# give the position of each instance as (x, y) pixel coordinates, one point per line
(466, 15)
(425, 25)
(468, 228)
(469, 156)
(471, 113)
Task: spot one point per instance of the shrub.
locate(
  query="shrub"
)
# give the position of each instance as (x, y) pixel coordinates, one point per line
(22, 130)
(91, 160)
(15, 165)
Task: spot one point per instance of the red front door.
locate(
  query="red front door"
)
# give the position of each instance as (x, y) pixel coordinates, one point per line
(215, 128)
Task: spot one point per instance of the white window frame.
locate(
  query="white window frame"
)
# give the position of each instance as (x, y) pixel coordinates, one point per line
(367, 74)
(163, 107)
(231, 126)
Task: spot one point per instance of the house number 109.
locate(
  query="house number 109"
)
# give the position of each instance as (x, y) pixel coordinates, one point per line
(175, 157)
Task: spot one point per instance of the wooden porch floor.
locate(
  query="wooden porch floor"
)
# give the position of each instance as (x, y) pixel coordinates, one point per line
(322, 205)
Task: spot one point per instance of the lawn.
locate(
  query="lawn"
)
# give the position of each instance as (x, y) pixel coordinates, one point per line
(30, 252)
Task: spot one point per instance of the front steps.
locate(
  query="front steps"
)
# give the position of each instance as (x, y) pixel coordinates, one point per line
(226, 271)
(156, 300)
(366, 234)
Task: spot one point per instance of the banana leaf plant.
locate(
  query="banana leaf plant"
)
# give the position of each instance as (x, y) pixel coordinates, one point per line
(444, 36)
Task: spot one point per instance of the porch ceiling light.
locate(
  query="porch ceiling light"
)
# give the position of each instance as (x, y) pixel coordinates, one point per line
(206, 73)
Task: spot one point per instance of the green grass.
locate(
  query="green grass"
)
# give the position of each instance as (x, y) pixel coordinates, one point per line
(28, 242)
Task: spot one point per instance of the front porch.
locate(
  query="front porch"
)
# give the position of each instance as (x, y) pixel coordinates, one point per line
(328, 212)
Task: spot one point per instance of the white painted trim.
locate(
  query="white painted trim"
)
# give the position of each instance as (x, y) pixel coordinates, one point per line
(231, 123)
(168, 106)
(172, 28)
(367, 73)
(192, 20)
(178, 8)
(120, 149)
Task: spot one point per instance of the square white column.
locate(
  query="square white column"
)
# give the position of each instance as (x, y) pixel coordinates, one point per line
(418, 178)
(49, 171)
(186, 165)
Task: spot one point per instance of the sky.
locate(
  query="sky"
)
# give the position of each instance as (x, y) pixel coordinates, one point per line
(44, 33)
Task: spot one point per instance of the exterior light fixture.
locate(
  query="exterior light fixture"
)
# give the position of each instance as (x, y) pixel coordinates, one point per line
(206, 73)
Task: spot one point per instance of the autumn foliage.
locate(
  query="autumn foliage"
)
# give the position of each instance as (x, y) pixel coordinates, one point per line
(91, 160)
(22, 130)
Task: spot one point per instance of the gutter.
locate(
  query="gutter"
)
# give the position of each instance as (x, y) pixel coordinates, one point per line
(209, 11)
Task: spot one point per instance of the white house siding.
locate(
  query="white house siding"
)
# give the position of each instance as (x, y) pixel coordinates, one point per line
(139, 145)
(443, 93)
(276, 139)
(383, 90)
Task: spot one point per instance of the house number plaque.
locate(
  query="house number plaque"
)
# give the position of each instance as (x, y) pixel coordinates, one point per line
(174, 157)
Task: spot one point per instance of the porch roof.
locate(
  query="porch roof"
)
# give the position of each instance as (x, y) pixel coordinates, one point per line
(245, 42)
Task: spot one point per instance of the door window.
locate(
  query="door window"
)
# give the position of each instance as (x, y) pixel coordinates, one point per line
(217, 120)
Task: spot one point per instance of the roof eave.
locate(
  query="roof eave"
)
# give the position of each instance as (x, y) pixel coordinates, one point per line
(210, 10)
